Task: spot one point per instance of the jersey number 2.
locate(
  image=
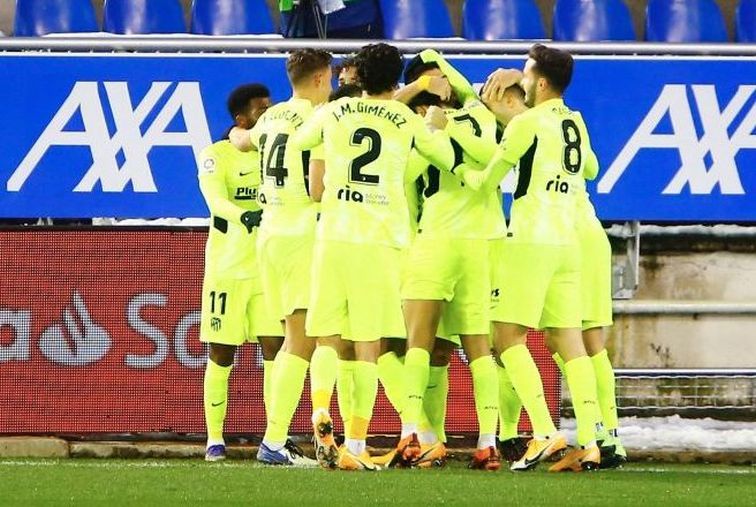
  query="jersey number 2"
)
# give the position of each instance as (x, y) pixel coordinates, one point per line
(373, 138)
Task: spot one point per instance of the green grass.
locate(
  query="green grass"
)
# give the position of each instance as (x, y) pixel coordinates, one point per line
(173, 482)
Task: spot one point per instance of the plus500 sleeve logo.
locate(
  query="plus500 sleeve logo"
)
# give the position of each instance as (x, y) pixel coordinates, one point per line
(121, 158)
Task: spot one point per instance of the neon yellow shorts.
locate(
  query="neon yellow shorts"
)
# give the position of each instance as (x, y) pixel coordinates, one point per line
(540, 286)
(233, 312)
(355, 291)
(596, 275)
(453, 270)
(496, 268)
(285, 263)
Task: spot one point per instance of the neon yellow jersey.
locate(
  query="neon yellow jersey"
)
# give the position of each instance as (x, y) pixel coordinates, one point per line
(551, 145)
(284, 194)
(450, 208)
(367, 143)
(229, 180)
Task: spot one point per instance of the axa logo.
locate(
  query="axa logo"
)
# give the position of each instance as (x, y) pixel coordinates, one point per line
(707, 160)
(120, 158)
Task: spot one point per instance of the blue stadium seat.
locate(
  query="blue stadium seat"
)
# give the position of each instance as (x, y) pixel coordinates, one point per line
(40, 17)
(745, 21)
(143, 16)
(684, 21)
(405, 19)
(231, 17)
(592, 20)
(501, 20)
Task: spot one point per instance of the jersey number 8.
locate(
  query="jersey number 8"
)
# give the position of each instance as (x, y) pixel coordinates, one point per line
(572, 157)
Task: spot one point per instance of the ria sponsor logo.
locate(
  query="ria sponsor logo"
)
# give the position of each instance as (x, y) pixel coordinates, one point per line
(120, 159)
(558, 186)
(347, 194)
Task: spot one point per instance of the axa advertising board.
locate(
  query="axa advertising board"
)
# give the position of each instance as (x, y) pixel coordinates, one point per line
(119, 135)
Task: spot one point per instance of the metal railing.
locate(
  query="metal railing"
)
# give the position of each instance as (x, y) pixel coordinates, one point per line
(246, 44)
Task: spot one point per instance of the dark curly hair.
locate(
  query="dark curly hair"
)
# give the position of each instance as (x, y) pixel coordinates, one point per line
(238, 100)
(379, 67)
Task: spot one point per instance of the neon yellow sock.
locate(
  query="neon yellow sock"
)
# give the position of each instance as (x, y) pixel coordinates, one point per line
(267, 377)
(323, 370)
(434, 402)
(286, 388)
(416, 372)
(215, 387)
(510, 406)
(344, 391)
(391, 374)
(559, 362)
(526, 380)
(582, 383)
(605, 389)
(365, 390)
(486, 391)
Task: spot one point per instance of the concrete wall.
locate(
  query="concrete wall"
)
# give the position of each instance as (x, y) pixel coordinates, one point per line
(637, 8)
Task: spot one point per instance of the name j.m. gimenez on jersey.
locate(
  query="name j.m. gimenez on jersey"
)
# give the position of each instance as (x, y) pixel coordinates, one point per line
(377, 110)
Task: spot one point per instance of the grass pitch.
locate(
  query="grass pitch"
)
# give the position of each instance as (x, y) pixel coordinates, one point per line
(194, 482)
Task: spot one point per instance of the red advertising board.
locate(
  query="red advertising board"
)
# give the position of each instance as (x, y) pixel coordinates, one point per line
(99, 333)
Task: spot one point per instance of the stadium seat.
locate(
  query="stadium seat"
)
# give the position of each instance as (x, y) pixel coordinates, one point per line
(684, 21)
(592, 20)
(406, 19)
(231, 17)
(501, 20)
(745, 21)
(40, 17)
(143, 16)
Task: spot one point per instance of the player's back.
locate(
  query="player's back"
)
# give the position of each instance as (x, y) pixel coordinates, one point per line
(284, 194)
(230, 181)
(450, 208)
(367, 143)
(555, 144)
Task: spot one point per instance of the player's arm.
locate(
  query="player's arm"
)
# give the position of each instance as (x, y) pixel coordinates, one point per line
(310, 134)
(518, 138)
(435, 145)
(316, 173)
(459, 83)
(591, 168)
(436, 85)
(213, 188)
(242, 139)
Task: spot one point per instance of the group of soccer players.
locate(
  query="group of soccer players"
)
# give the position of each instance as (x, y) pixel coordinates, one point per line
(369, 229)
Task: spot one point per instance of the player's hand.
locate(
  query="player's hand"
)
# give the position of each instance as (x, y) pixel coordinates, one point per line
(498, 81)
(251, 219)
(439, 85)
(435, 118)
(429, 55)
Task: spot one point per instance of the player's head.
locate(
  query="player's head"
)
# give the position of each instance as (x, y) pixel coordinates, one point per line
(547, 74)
(345, 90)
(513, 103)
(346, 71)
(379, 67)
(415, 69)
(309, 70)
(247, 103)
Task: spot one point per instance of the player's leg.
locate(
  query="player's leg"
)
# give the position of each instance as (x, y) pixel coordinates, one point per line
(562, 318)
(527, 272)
(437, 392)
(323, 373)
(285, 264)
(223, 325)
(511, 446)
(344, 382)
(269, 347)
(391, 371)
(268, 330)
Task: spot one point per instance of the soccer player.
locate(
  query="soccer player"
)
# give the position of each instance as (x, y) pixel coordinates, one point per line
(365, 223)
(541, 256)
(595, 253)
(448, 273)
(233, 309)
(346, 71)
(285, 243)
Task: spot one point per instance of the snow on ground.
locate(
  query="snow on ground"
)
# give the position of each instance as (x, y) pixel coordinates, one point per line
(675, 432)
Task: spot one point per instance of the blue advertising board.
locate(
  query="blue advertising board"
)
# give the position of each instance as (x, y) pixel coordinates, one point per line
(117, 135)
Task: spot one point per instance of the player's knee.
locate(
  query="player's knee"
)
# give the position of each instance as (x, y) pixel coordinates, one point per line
(269, 346)
(442, 352)
(222, 355)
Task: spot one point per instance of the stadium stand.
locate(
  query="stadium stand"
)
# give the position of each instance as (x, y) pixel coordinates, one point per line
(40, 17)
(501, 20)
(231, 17)
(130, 17)
(408, 19)
(592, 20)
(745, 21)
(684, 21)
